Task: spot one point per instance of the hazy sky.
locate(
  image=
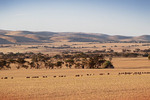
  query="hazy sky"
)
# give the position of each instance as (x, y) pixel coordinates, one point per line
(114, 17)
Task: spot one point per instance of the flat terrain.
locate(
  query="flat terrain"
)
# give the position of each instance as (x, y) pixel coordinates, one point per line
(131, 63)
(92, 84)
(104, 87)
(85, 87)
(72, 46)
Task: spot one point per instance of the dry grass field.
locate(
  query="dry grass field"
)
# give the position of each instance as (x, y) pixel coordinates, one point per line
(131, 63)
(79, 46)
(92, 84)
(74, 49)
(64, 84)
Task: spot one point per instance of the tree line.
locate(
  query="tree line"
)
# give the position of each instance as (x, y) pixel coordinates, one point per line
(38, 61)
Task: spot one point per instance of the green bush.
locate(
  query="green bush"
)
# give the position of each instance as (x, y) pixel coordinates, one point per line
(107, 64)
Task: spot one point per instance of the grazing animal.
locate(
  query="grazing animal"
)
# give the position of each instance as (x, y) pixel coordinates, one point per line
(61, 76)
(101, 74)
(35, 77)
(5, 77)
(77, 75)
(28, 77)
(44, 76)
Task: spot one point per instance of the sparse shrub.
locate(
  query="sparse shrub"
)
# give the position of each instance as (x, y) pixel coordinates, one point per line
(107, 64)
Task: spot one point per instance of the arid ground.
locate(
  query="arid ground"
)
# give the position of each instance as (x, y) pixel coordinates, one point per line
(47, 48)
(74, 49)
(79, 84)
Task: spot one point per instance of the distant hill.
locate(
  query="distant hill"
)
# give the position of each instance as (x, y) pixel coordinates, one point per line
(13, 37)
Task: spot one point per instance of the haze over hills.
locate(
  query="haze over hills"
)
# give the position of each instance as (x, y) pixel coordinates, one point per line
(13, 37)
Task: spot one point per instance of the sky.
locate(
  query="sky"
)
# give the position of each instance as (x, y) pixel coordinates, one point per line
(113, 17)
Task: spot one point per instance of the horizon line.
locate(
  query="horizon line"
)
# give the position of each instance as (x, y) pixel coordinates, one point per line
(73, 32)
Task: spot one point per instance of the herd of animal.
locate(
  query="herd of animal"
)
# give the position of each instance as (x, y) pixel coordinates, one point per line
(78, 75)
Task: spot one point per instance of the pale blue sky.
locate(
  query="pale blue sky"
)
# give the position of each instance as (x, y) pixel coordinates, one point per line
(114, 17)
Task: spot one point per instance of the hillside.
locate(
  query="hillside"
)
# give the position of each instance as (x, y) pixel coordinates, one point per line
(13, 37)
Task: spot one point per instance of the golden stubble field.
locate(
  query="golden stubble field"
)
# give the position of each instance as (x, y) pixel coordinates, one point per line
(92, 87)
(84, 87)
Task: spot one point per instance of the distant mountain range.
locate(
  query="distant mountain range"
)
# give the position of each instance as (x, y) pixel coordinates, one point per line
(20, 37)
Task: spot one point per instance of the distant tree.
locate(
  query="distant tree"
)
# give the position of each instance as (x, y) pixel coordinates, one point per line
(20, 62)
(49, 64)
(57, 56)
(91, 63)
(96, 61)
(145, 54)
(2, 64)
(84, 63)
(8, 65)
(59, 64)
(39, 59)
(32, 64)
(107, 64)
(25, 66)
(70, 62)
(11, 60)
(77, 65)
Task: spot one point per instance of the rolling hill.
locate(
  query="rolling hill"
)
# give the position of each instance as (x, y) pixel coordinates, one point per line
(13, 37)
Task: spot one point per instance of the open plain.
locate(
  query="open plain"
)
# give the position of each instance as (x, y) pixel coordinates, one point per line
(74, 49)
(79, 84)
(63, 46)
